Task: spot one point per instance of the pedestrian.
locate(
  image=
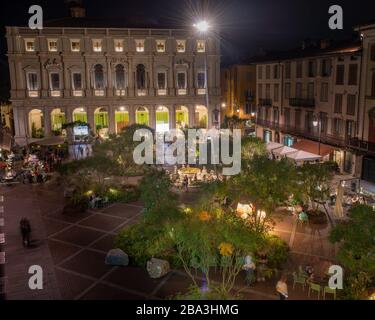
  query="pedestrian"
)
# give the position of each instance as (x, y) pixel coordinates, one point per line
(249, 267)
(282, 288)
(25, 231)
(186, 183)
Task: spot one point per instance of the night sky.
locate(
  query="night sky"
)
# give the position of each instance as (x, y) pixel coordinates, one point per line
(246, 26)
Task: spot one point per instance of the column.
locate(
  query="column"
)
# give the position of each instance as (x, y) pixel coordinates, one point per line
(191, 116)
(111, 119)
(20, 125)
(152, 116)
(47, 122)
(132, 110)
(90, 118)
(68, 114)
(172, 117)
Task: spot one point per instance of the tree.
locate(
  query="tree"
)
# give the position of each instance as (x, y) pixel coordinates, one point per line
(314, 183)
(251, 146)
(357, 249)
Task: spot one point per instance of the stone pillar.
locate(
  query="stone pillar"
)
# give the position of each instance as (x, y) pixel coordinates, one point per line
(20, 125)
(191, 116)
(68, 114)
(47, 122)
(90, 118)
(111, 119)
(132, 110)
(152, 116)
(172, 117)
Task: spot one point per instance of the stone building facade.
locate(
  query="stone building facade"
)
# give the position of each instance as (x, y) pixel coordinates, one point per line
(111, 77)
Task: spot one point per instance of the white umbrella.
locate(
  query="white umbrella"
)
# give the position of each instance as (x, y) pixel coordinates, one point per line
(273, 145)
(303, 156)
(283, 151)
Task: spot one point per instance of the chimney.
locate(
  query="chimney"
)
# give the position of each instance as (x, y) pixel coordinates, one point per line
(76, 8)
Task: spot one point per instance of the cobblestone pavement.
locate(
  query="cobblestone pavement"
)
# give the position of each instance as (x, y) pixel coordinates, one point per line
(72, 249)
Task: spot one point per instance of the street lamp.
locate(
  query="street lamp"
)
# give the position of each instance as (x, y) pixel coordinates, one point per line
(317, 123)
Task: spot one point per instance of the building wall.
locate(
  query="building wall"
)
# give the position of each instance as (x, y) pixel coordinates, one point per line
(238, 83)
(65, 63)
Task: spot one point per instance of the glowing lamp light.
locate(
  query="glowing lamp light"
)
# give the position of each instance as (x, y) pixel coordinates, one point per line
(202, 26)
(261, 214)
(315, 123)
(122, 108)
(224, 105)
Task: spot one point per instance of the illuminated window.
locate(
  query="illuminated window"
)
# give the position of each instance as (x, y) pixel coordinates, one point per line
(119, 45)
(30, 45)
(181, 46)
(140, 45)
(97, 45)
(160, 45)
(75, 45)
(201, 46)
(52, 45)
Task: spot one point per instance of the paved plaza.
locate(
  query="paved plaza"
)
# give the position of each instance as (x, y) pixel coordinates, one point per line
(71, 250)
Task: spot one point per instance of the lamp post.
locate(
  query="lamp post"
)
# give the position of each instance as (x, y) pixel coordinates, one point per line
(317, 123)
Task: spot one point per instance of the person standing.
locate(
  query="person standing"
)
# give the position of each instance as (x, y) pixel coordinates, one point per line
(25, 231)
(282, 288)
(249, 267)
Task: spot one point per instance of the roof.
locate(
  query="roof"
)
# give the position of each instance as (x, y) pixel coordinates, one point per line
(312, 50)
(301, 155)
(88, 22)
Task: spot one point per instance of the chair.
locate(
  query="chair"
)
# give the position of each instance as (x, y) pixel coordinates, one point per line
(299, 279)
(331, 291)
(316, 288)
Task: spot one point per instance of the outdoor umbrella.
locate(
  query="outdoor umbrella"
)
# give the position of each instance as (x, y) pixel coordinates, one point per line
(339, 210)
(273, 145)
(283, 151)
(303, 156)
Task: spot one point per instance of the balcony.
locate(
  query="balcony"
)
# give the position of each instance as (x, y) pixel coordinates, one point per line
(99, 93)
(33, 93)
(162, 92)
(361, 145)
(301, 102)
(182, 92)
(265, 102)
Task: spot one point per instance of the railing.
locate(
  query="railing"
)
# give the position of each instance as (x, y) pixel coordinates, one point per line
(301, 102)
(265, 102)
(361, 145)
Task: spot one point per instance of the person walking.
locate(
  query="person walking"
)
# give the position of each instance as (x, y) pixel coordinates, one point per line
(282, 288)
(25, 231)
(249, 267)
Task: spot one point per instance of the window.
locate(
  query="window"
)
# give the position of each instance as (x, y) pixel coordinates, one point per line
(97, 45)
(52, 45)
(32, 81)
(260, 72)
(310, 90)
(337, 126)
(201, 80)
(247, 108)
(120, 77)
(312, 69)
(298, 90)
(77, 84)
(340, 74)
(373, 52)
(55, 81)
(99, 77)
(181, 82)
(287, 116)
(75, 45)
(181, 46)
(287, 91)
(297, 119)
(276, 73)
(30, 45)
(323, 122)
(160, 45)
(201, 46)
(338, 103)
(299, 70)
(276, 92)
(119, 45)
(276, 115)
(287, 70)
(351, 102)
(162, 80)
(140, 45)
(141, 77)
(326, 68)
(260, 91)
(353, 74)
(268, 72)
(324, 92)
(373, 84)
(268, 91)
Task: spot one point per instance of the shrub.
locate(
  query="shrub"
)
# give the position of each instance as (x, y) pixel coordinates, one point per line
(277, 252)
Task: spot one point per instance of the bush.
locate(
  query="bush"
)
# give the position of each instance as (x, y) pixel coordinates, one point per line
(277, 252)
(76, 204)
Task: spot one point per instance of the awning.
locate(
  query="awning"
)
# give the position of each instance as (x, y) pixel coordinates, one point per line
(313, 147)
(273, 145)
(303, 156)
(52, 141)
(283, 151)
